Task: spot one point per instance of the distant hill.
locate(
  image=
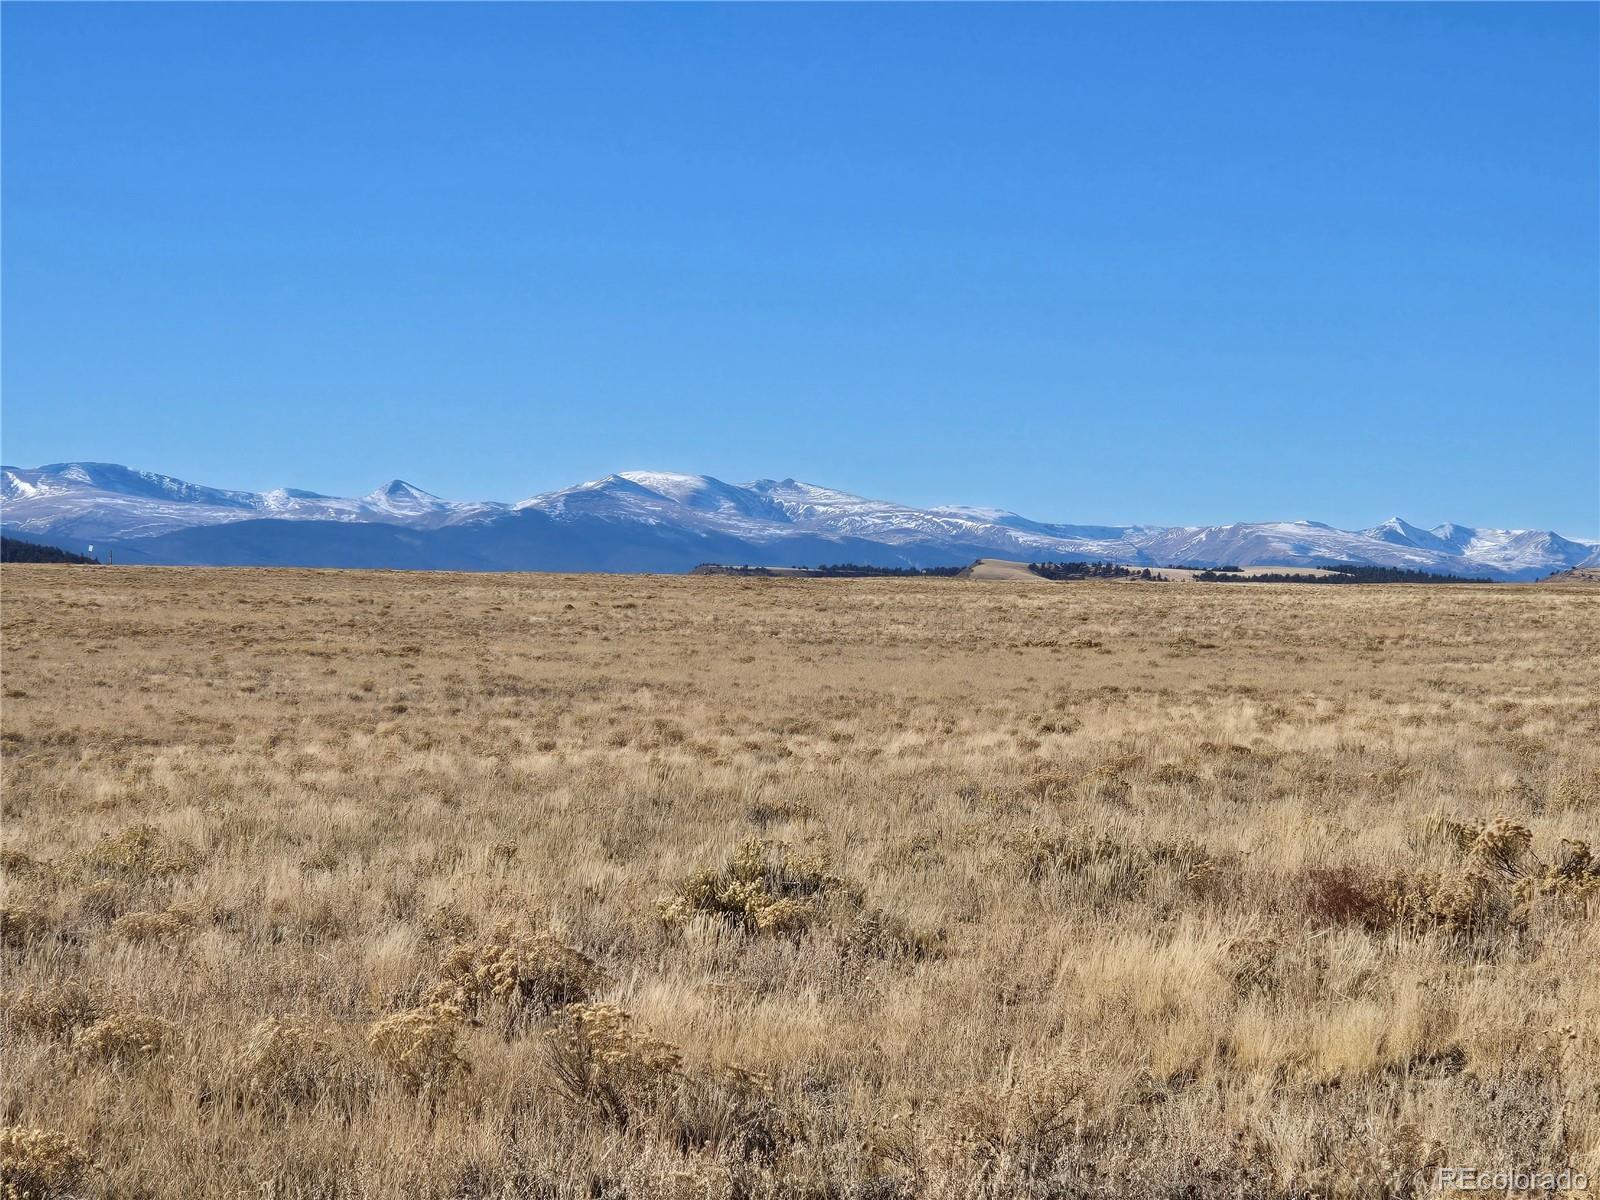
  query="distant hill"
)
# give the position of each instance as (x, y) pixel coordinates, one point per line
(18, 551)
(1585, 575)
(661, 521)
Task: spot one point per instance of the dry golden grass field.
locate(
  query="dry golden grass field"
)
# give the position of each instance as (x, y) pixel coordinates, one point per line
(350, 884)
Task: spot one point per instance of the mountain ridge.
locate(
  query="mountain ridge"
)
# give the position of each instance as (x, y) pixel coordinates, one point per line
(669, 521)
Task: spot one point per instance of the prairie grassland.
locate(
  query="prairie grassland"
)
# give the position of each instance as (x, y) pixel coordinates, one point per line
(329, 884)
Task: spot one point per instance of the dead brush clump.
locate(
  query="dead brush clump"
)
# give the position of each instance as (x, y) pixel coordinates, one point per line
(40, 1164)
(1488, 892)
(515, 976)
(1017, 1128)
(1342, 1163)
(104, 900)
(1041, 857)
(22, 924)
(125, 1038)
(600, 1060)
(21, 864)
(284, 1062)
(446, 924)
(728, 1110)
(168, 926)
(876, 934)
(52, 1012)
(139, 853)
(1253, 964)
(420, 1047)
(763, 888)
(766, 813)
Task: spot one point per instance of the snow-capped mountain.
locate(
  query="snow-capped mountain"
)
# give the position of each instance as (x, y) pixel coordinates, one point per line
(661, 521)
(85, 501)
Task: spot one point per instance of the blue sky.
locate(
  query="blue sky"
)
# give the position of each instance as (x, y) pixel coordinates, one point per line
(1156, 263)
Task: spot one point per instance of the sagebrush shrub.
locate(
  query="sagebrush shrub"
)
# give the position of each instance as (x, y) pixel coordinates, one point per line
(878, 934)
(21, 924)
(1039, 855)
(1027, 1122)
(104, 899)
(729, 1110)
(19, 862)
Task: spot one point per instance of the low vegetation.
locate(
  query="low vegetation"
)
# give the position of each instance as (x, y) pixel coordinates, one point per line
(343, 884)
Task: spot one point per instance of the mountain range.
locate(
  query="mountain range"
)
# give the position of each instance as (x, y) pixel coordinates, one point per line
(660, 521)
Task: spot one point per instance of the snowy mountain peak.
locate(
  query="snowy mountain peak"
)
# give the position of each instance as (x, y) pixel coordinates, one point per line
(399, 489)
(1397, 531)
(118, 480)
(665, 520)
(398, 496)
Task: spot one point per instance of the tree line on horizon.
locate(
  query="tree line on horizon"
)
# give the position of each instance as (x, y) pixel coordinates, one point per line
(1343, 573)
(18, 550)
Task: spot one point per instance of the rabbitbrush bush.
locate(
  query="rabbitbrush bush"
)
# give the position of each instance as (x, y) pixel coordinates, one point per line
(600, 1059)
(516, 975)
(125, 1038)
(285, 1061)
(40, 1164)
(55, 1011)
(763, 887)
(420, 1047)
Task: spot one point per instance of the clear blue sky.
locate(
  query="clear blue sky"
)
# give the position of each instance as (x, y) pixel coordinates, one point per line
(1155, 263)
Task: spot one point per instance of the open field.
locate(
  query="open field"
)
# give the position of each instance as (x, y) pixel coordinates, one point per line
(344, 884)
